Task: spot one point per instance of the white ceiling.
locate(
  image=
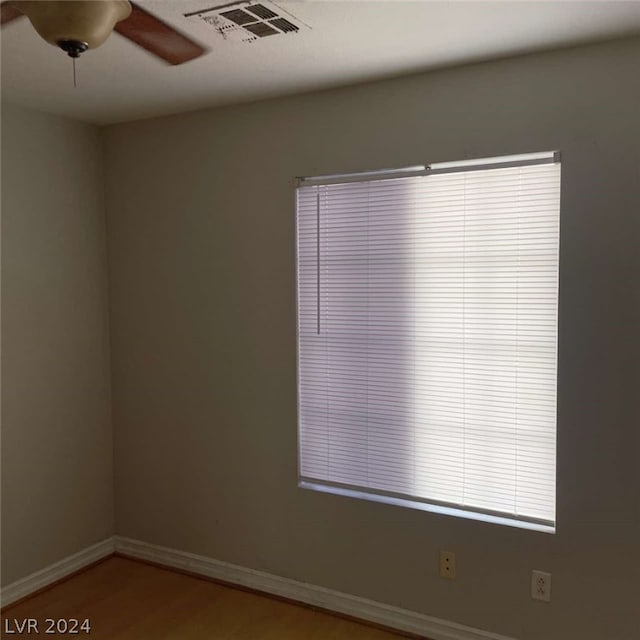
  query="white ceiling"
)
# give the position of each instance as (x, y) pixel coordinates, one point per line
(347, 42)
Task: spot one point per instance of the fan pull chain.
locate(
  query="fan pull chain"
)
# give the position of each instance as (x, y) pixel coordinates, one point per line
(74, 74)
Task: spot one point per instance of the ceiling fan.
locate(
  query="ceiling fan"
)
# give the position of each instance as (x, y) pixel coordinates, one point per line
(78, 25)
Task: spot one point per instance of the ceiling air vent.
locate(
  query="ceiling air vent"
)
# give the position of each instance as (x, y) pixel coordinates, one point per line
(248, 21)
(238, 16)
(261, 29)
(284, 25)
(262, 12)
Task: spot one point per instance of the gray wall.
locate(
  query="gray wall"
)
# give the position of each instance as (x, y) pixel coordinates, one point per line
(201, 240)
(57, 449)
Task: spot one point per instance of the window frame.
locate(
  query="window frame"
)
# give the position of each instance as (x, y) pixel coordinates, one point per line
(389, 497)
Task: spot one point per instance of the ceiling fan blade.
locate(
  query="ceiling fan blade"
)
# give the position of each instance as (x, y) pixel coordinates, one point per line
(8, 13)
(158, 38)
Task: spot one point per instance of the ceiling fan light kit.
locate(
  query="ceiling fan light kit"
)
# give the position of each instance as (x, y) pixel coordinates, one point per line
(75, 25)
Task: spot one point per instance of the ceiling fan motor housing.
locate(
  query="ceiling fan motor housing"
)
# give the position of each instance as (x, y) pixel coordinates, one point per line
(74, 25)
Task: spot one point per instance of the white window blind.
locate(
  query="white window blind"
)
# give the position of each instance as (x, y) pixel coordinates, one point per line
(427, 333)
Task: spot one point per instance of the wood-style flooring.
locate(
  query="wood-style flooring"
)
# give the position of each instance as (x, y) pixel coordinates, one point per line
(128, 600)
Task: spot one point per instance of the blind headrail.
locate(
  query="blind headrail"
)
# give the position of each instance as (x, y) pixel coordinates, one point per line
(478, 164)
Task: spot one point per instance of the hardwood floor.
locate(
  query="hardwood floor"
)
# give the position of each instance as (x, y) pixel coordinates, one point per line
(128, 600)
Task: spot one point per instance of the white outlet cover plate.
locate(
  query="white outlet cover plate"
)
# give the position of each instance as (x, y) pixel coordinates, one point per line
(541, 586)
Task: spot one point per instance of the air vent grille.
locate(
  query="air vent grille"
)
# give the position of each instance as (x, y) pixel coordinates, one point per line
(239, 16)
(261, 29)
(261, 11)
(284, 25)
(248, 21)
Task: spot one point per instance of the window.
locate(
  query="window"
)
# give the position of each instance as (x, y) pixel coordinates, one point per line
(427, 337)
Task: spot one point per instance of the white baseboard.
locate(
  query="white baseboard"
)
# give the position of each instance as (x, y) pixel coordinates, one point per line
(56, 571)
(368, 610)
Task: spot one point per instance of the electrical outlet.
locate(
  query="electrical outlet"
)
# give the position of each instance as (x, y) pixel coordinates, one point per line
(541, 586)
(447, 564)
